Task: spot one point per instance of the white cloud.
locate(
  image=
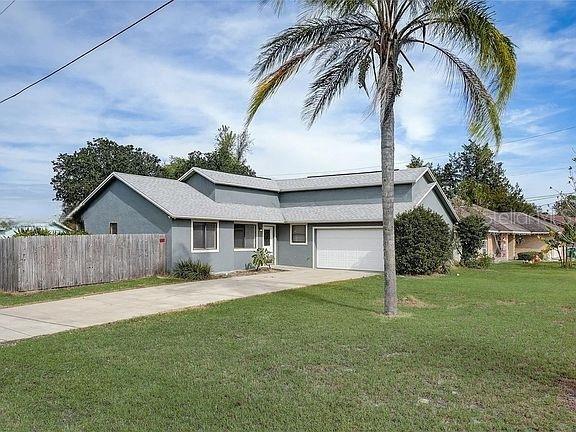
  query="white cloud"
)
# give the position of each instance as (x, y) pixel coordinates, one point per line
(168, 84)
(549, 52)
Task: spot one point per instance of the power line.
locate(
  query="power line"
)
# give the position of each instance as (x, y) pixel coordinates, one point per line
(6, 8)
(436, 157)
(539, 172)
(89, 51)
(541, 135)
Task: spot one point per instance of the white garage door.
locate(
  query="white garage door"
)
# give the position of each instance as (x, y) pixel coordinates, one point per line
(350, 249)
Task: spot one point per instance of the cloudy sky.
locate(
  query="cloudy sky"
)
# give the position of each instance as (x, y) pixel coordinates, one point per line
(168, 84)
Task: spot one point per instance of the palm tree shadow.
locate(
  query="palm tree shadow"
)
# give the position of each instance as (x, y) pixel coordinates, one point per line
(323, 300)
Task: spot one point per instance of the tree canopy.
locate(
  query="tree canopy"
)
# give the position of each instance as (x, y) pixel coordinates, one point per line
(229, 155)
(475, 176)
(79, 173)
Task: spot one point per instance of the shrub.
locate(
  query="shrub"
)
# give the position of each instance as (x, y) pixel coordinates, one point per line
(529, 256)
(472, 231)
(423, 242)
(262, 257)
(73, 232)
(30, 232)
(192, 270)
(480, 262)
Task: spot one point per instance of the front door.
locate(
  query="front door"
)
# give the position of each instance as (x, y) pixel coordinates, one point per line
(268, 239)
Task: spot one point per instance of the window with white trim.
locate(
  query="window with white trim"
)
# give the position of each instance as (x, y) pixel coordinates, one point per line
(204, 235)
(245, 236)
(299, 234)
(113, 229)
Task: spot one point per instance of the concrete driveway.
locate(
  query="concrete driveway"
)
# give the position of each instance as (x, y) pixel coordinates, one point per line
(38, 319)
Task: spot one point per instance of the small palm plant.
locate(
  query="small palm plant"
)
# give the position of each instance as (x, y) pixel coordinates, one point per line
(32, 232)
(368, 43)
(262, 257)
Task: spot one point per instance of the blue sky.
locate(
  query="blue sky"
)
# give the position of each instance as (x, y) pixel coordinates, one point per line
(168, 84)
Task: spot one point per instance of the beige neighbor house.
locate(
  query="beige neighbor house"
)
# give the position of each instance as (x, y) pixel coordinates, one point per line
(511, 233)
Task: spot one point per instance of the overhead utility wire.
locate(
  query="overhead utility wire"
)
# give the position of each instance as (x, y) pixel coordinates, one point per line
(437, 156)
(89, 51)
(6, 8)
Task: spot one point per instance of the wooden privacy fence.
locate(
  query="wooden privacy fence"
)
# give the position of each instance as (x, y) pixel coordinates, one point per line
(39, 263)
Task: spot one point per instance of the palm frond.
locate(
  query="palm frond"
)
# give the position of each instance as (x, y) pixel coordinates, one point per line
(481, 110)
(468, 25)
(270, 83)
(341, 7)
(332, 81)
(307, 33)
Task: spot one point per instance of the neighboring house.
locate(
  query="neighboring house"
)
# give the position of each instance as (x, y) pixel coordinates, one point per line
(557, 219)
(326, 221)
(54, 227)
(511, 232)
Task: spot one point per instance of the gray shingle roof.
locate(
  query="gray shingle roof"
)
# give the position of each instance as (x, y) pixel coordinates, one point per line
(507, 222)
(235, 179)
(181, 201)
(349, 212)
(410, 175)
(348, 180)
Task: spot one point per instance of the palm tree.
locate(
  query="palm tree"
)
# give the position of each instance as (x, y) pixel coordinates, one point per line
(367, 42)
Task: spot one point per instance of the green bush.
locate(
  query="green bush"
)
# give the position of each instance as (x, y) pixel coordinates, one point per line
(262, 257)
(423, 242)
(192, 270)
(529, 256)
(480, 262)
(472, 231)
(30, 232)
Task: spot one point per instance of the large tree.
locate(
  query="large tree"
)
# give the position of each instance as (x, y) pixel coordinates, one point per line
(229, 155)
(369, 43)
(79, 173)
(474, 175)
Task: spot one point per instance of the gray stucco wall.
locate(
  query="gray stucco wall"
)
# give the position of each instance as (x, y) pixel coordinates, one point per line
(120, 204)
(202, 184)
(434, 203)
(360, 195)
(293, 255)
(133, 214)
(238, 195)
(224, 260)
(420, 186)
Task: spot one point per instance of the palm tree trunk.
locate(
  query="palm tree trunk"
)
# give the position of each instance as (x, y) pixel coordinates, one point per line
(387, 161)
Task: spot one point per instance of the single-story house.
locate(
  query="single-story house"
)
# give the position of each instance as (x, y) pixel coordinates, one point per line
(330, 221)
(53, 227)
(511, 232)
(557, 220)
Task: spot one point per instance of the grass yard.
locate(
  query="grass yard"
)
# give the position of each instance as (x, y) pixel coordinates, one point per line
(16, 299)
(483, 350)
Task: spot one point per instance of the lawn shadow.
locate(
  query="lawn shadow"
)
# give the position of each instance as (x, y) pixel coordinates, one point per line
(323, 300)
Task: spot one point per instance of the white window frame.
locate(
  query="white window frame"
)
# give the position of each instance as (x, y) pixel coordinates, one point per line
(299, 244)
(217, 237)
(255, 236)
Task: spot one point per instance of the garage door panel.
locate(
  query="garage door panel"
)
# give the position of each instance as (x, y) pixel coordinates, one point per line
(350, 248)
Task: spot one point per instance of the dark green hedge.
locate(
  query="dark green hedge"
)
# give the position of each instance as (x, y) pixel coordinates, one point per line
(472, 231)
(529, 256)
(423, 242)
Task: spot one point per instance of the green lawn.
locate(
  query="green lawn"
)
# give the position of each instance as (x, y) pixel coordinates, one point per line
(482, 350)
(7, 300)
